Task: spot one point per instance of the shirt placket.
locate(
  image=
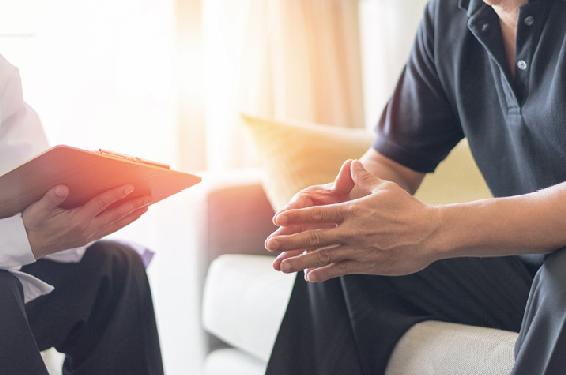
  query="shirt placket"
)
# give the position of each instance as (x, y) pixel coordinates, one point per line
(484, 25)
(529, 26)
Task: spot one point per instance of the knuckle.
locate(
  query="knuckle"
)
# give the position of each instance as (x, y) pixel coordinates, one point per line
(127, 207)
(79, 227)
(103, 202)
(314, 238)
(349, 233)
(324, 257)
(366, 177)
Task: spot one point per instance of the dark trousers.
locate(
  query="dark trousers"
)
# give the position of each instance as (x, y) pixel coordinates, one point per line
(351, 325)
(100, 315)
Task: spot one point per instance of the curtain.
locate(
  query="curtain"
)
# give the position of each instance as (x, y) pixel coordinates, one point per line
(387, 32)
(286, 59)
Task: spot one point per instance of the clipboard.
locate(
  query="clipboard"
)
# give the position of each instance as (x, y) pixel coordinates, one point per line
(87, 174)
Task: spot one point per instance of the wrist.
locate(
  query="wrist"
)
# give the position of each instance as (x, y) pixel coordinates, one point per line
(459, 229)
(36, 243)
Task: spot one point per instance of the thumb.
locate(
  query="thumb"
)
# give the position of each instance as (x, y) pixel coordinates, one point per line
(363, 178)
(344, 183)
(53, 198)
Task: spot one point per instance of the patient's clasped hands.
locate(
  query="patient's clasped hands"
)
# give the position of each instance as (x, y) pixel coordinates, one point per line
(327, 234)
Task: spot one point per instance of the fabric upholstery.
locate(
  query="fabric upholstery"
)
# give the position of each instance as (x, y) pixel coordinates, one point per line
(438, 348)
(245, 300)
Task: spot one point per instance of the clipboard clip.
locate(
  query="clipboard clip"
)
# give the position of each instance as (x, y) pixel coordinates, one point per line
(133, 159)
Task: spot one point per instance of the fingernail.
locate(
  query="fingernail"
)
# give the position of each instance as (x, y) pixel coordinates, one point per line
(285, 266)
(271, 244)
(61, 191)
(306, 275)
(128, 189)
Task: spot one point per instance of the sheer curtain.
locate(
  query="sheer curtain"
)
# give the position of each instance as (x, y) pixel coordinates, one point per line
(288, 59)
(387, 32)
(101, 74)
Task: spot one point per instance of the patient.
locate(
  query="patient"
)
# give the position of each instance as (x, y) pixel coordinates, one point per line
(91, 301)
(376, 260)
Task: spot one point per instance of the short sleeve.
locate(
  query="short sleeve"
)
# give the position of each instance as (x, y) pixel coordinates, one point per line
(418, 127)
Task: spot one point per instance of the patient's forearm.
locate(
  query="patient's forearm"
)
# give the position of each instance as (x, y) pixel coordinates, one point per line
(531, 223)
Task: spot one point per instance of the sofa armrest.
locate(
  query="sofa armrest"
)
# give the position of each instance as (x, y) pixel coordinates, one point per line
(237, 214)
(232, 216)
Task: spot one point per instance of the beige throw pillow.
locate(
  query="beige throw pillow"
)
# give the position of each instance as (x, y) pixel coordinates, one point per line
(296, 155)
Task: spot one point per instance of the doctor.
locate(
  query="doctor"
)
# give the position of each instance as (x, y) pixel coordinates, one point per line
(92, 303)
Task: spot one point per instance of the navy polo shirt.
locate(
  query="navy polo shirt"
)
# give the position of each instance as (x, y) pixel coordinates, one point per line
(457, 84)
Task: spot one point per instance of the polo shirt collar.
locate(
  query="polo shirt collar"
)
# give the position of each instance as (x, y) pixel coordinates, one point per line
(471, 6)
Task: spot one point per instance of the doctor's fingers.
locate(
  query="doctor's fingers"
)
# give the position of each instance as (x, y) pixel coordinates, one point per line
(123, 210)
(121, 223)
(103, 201)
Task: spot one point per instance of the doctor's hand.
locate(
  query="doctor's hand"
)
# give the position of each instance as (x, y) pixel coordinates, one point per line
(388, 232)
(51, 229)
(316, 195)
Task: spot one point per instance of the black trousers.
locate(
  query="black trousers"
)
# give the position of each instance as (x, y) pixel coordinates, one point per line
(351, 325)
(100, 315)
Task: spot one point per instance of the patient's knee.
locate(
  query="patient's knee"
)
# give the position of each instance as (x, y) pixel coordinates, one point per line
(10, 287)
(552, 275)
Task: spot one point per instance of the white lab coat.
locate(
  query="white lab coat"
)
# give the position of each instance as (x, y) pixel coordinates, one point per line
(21, 138)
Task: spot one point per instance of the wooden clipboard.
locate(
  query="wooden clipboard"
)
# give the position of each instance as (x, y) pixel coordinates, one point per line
(87, 174)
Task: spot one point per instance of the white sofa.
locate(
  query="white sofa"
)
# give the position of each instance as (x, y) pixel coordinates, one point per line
(244, 300)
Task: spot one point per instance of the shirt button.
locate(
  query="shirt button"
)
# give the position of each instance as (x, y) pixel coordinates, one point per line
(522, 65)
(529, 20)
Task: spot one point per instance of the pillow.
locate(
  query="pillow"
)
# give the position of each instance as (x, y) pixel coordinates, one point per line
(457, 179)
(296, 155)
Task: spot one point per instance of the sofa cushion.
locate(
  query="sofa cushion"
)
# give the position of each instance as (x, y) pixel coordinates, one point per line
(438, 348)
(245, 300)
